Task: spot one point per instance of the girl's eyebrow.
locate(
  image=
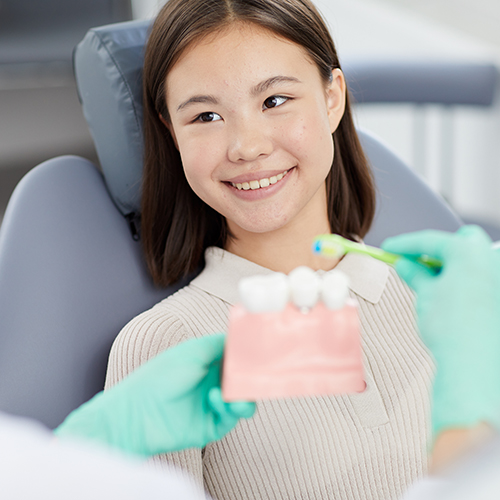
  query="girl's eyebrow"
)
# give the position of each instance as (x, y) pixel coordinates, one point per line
(256, 90)
(210, 99)
(271, 82)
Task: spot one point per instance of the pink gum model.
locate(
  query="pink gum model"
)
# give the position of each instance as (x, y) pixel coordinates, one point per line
(291, 353)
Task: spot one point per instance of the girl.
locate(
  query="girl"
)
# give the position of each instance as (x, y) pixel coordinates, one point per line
(250, 153)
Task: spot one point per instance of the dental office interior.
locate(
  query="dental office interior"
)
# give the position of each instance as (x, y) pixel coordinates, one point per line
(425, 81)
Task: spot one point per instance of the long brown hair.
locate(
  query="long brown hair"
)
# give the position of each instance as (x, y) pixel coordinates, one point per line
(177, 226)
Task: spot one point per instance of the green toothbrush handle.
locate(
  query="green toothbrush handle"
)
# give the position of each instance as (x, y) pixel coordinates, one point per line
(334, 245)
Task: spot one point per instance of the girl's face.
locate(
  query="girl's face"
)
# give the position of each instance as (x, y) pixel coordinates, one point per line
(252, 120)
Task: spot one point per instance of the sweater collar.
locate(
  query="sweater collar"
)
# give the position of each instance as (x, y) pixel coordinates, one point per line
(223, 271)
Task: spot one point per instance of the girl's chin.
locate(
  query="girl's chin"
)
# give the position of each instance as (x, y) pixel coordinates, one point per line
(261, 228)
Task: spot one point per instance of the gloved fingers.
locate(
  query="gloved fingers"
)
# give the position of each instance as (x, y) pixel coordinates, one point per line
(215, 401)
(438, 243)
(207, 349)
(429, 242)
(223, 420)
(242, 409)
(189, 363)
(239, 409)
(474, 231)
(201, 352)
(413, 273)
(474, 247)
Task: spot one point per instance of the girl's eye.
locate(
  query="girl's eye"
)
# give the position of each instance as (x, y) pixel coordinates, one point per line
(208, 117)
(274, 101)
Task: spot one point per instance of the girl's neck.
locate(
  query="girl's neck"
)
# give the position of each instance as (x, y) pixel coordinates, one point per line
(284, 249)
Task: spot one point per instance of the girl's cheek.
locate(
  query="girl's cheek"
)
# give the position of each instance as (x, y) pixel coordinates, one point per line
(193, 149)
(297, 136)
(199, 162)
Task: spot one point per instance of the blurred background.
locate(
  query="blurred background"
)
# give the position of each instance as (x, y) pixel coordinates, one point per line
(452, 142)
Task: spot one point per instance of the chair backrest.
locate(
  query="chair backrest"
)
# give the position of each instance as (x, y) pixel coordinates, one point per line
(404, 201)
(71, 274)
(71, 277)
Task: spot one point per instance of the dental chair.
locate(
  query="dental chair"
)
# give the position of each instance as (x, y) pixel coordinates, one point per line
(72, 272)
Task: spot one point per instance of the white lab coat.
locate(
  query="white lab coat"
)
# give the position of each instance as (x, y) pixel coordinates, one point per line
(34, 464)
(476, 477)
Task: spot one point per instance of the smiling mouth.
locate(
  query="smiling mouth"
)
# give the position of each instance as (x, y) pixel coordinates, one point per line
(258, 184)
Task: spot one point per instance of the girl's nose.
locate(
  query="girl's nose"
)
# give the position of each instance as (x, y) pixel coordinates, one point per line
(249, 141)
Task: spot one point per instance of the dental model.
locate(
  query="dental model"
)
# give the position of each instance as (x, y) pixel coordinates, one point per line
(295, 335)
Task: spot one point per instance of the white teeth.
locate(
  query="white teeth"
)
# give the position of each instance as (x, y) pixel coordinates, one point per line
(261, 183)
(304, 287)
(335, 289)
(264, 293)
(271, 293)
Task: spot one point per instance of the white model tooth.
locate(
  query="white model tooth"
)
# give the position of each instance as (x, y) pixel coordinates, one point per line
(238, 185)
(279, 177)
(254, 185)
(304, 287)
(264, 293)
(264, 183)
(273, 179)
(335, 289)
(245, 186)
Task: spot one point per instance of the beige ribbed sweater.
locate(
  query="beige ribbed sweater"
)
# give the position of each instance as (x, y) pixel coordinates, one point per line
(363, 446)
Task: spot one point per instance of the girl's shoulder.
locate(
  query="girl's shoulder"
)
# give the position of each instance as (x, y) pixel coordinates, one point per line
(391, 299)
(399, 292)
(188, 313)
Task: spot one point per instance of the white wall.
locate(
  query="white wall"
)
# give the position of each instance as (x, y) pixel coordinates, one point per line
(374, 30)
(145, 9)
(480, 18)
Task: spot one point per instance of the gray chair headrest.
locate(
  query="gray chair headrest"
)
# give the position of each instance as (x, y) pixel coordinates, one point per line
(108, 68)
(447, 83)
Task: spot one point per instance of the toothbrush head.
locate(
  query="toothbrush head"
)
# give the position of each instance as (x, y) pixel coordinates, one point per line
(330, 245)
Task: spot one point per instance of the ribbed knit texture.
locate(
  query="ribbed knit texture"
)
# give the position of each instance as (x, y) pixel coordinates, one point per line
(362, 446)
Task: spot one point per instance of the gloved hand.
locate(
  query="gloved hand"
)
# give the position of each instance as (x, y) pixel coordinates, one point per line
(458, 312)
(170, 403)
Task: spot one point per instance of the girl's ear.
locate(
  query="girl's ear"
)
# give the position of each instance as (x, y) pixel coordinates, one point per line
(335, 98)
(170, 129)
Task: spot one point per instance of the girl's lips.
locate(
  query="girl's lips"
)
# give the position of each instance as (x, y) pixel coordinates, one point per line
(256, 176)
(260, 192)
(261, 183)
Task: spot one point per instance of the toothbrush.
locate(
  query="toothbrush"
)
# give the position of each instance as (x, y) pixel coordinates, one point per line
(334, 245)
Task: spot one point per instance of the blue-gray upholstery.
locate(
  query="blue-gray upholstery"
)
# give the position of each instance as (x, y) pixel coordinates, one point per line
(404, 202)
(422, 82)
(71, 275)
(108, 68)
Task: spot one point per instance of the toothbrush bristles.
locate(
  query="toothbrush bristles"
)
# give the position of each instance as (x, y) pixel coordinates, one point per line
(328, 248)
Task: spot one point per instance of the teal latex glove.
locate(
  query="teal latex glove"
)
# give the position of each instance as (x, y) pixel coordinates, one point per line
(458, 312)
(170, 403)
